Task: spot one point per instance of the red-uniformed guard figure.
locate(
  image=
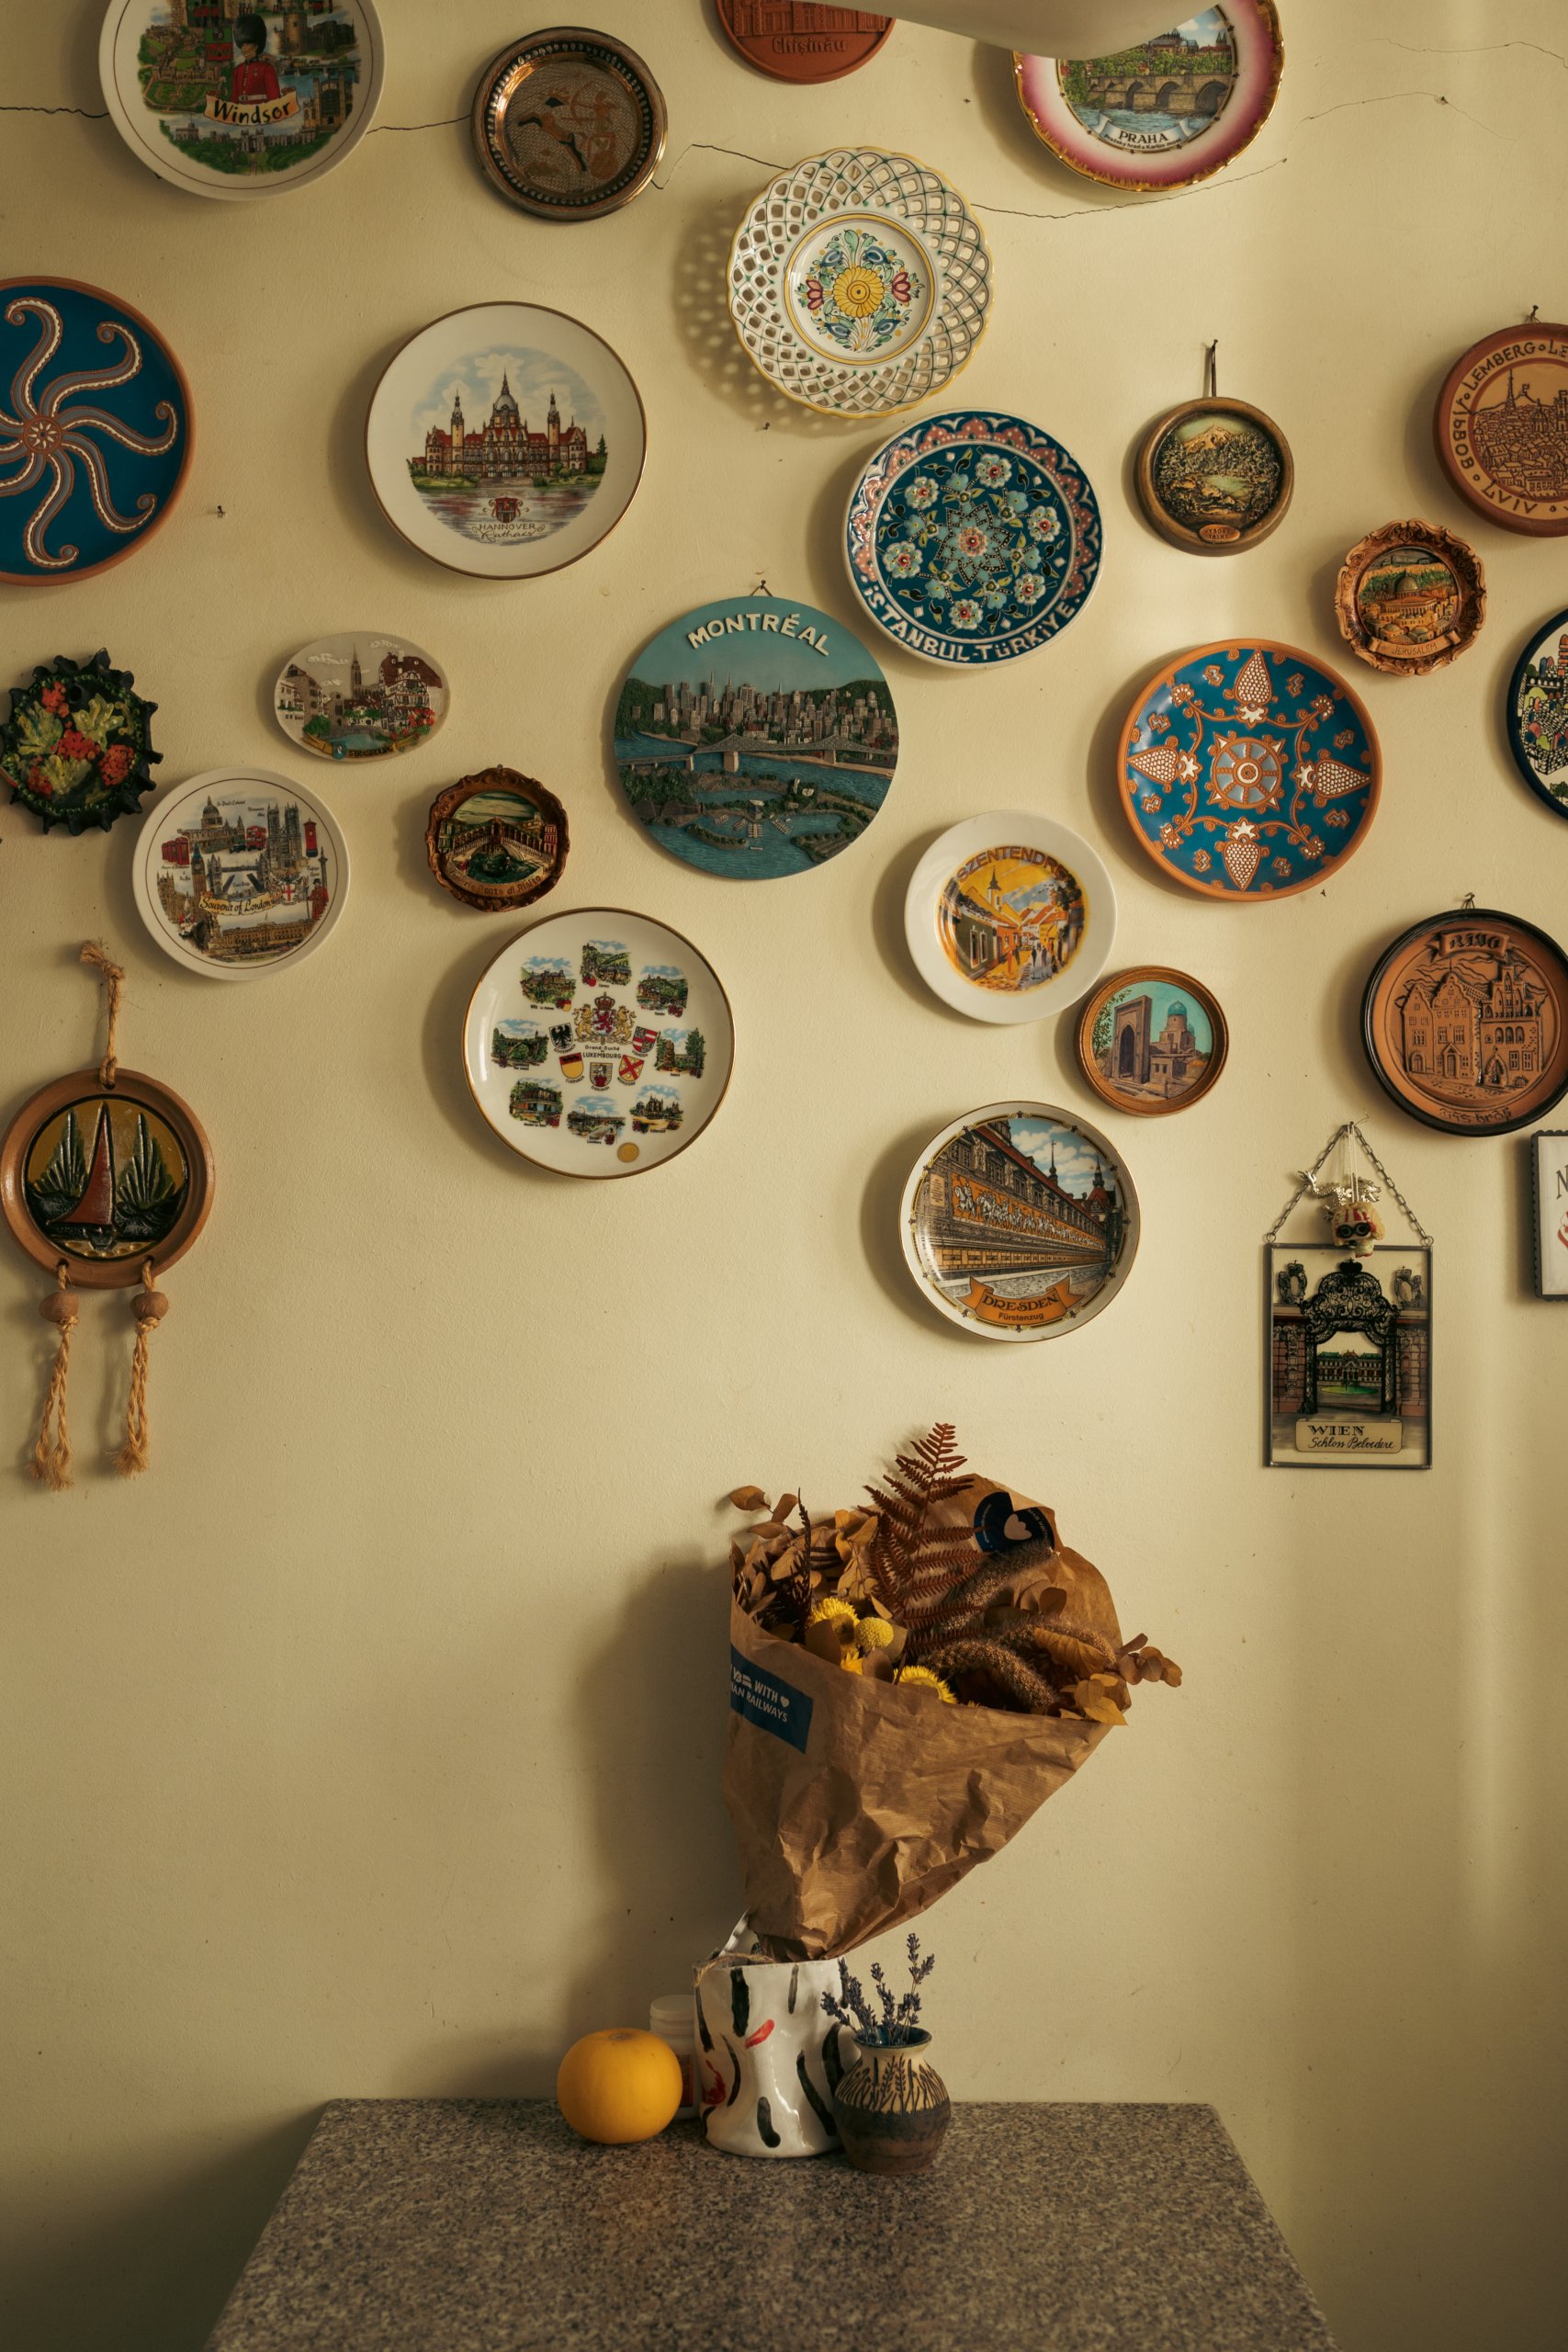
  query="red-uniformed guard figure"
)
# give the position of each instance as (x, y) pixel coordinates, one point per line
(254, 77)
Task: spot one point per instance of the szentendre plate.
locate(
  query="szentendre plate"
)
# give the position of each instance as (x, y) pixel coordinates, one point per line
(1501, 427)
(1537, 713)
(569, 124)
(239, 871)
(1009, 916)
(105, 1177)
(1215, 476)
(95, 429)
(1249, 770)
(505, 440)
(1151, 1041)
(973, 537)
(599, 1043)
(1166, 112)
(755, 737)
(1019, 1222)
(235, 102)
(360, 697)
(859, 282)
(1465, 1021)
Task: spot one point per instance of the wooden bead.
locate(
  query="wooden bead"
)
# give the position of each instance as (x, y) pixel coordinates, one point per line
(149, 1306)
(60, 1306)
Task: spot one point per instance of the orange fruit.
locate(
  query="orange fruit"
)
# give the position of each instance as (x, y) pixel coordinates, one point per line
(618, 2086)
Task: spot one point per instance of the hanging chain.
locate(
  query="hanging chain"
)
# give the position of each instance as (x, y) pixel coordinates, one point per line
(1348, 1128)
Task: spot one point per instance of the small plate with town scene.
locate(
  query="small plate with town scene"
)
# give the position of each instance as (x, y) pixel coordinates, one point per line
(755, 737)
(505, 440)
(237, 102)
(1008, 915)
(599, 1043)
(1410, 598)
(1019, 1222)
(1215, 476)
(1151, 1041)
(568, 124)
(973, 537)
(1465, 1021)
(106, 1177)
(859, 282)
(497, 840)
(1168, 110)
(792, 43)
(1501, 427)
(76, 748)
(239, 871)
(1538, 714)
(1248, 771)
(362, 697)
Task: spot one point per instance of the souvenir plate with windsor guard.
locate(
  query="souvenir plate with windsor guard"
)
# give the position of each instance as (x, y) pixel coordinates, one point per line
(973, 537)
(1249, 770)
(1502, 428)
(859, 282)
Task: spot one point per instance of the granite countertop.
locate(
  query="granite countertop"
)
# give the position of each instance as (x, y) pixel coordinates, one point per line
(484, 2225)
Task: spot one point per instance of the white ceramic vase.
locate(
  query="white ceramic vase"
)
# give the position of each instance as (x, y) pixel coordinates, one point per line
(768, 2055)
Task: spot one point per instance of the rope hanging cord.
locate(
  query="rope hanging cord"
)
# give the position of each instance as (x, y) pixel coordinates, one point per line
(1348, 1128)
(114, 989)
(149, 1306)
(50, 1465)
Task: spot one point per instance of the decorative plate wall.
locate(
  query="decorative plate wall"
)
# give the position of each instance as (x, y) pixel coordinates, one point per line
(1465, 1020)
(1008, 915)
(859, 282)
(1166, 112)
(496, 840)
(1019, 1222)
(237, 102)
(973, 537)
(505, 440)
(599, 1043)
(361, 697)
(1248, 771)
(1538, 714)
(795, 45)
(239, 871)
(95, 429)
(570, 125)
(754, 738)
(1214, 475)
(1409, 598)
(77, 747)
(106, 1177)
(1502, 428)
(1151, 1041)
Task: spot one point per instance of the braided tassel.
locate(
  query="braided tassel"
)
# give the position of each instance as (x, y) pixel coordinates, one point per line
(149, 1306)
(50, 1465)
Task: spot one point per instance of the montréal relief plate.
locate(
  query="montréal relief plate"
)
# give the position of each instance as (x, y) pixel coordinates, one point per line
(569, 124)
(1215, 476)
(1501, 427)
(1009, 916)
(1465, 1021)
(1537, 713)
(239, 871)
(360, 697)
(599, 1043)
(1019, 1222)
(106, 1177)
(1151, 1041)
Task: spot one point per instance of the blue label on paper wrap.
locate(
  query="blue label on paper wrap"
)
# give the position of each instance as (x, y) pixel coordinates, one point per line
(769, 1703)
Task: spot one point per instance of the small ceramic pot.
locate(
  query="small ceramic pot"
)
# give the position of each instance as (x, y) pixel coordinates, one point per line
(893, 2108)
(768, 2055)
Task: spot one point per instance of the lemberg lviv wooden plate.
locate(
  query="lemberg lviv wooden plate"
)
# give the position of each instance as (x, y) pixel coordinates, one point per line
(1410, 598)
(1214, 475)
(1009, 916)
(1152, 1041)
(1501, 427)
(106, 1177)
(569, 124)
(1537, 713)
(1465, 1021)
(496, 840)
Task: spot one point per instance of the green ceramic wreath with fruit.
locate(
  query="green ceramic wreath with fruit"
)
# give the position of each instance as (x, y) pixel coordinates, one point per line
(78, 747)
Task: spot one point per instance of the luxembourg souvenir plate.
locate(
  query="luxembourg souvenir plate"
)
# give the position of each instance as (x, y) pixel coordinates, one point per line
(1214, 475)
(755, 737)
(859, 282)
(360, 697)
(1009, 915)
(505, 440)
(790, 43)
(496, 840)
(1249, 770)
(239, 871)
(77, 746)
(569, 124)
(1168, 110)
(972, 538)
(1465, 1021)
(1409, 598)
(1019, 1222)
(1151, 1041)
(95, 429)
(237, 102)
(1501, 427)
(1537, 713)
(599, 1043)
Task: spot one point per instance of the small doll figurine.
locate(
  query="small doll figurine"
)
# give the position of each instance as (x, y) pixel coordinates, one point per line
(254, 77)
(1353, 1222)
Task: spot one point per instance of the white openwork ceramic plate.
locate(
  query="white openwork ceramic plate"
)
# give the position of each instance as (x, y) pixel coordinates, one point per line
(239, 871)
(859, 282)
(1009, 916)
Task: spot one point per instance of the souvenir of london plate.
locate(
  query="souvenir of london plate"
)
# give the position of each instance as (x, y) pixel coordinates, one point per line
(239, 871)
(599, 1043)
(360, 697)
(1008, 915)
(505, 440)
(1019, 1222)
(1502, 428)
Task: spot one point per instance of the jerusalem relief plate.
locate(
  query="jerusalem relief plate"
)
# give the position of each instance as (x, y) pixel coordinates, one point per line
(1009, 915)
(1465, 1021)
(237, 102)
(569, 124)
(599, 1043)
(1249, 769)
(1502, 428)
(972, 538)
(1537, 713)
(1166, 112)
(1410, 597)
(239, 871)
(360, 697)
(1019, 1222)
(859, 282)
(505, 440)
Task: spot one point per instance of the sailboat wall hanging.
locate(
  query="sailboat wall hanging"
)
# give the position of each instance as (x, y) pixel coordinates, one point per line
(106, 1180)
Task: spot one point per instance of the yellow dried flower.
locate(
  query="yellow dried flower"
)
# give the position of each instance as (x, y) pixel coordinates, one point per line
(851, 1662)
(828, 1610)
(873, 1634)
(921, 1677)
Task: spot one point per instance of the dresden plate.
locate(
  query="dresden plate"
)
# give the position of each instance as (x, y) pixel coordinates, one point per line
(1008, 915)
(239, 871)
(1465, 1021)
(599, 1043)
(1248, 771)
(505, 440)
(1537, 713)
(1019, 1222)
(236, 102)
(570, 125)
(361, 697)
(859, 282)
(972, 538)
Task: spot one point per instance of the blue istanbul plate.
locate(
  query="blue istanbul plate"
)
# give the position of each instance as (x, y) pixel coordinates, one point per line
(1249, 770)
(95, 429)
(973, 537)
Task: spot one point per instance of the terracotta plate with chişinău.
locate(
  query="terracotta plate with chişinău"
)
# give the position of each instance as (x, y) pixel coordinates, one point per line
(792, 43)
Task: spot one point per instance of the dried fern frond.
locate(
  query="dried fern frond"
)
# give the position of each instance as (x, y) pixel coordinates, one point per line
(908, 1552)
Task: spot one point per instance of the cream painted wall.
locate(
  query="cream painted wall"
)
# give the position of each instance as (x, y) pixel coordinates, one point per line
(370, 1744)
